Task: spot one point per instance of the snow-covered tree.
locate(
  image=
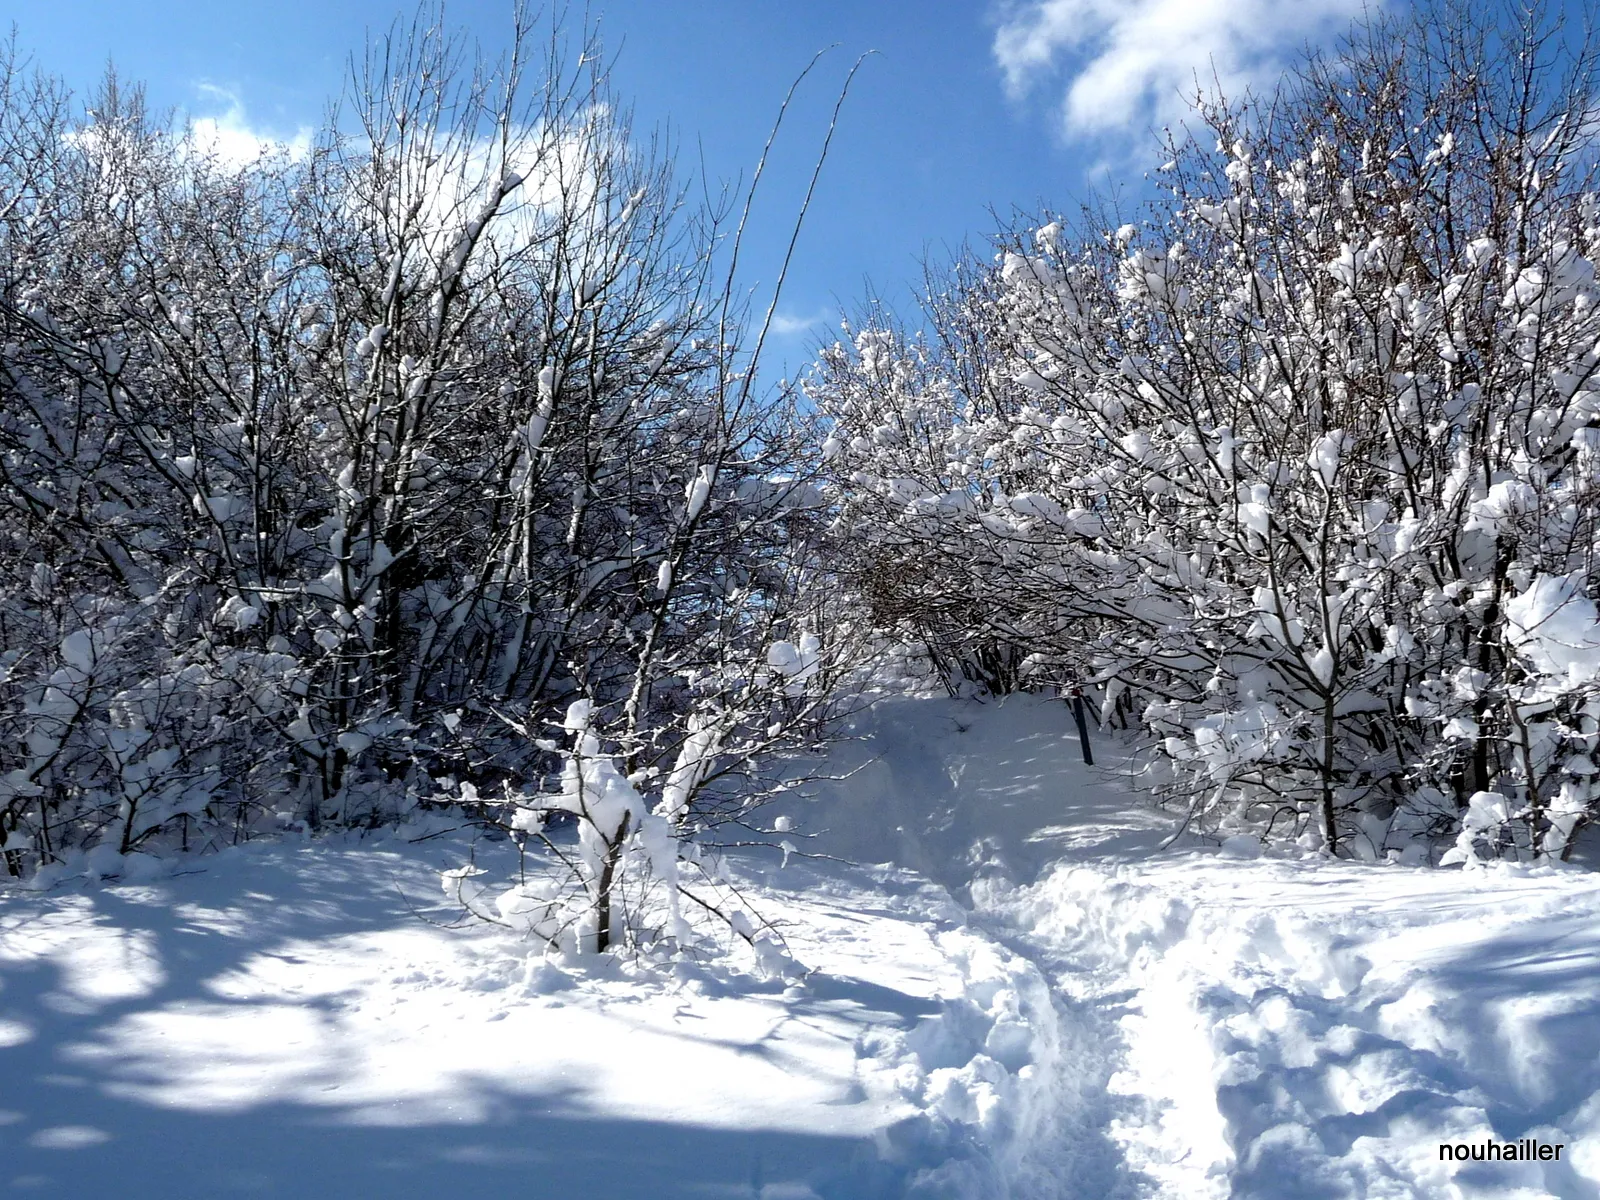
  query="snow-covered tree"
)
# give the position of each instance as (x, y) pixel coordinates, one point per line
(1304, 461)
(324, 475)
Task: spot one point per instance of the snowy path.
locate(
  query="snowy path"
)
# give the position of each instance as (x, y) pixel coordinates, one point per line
(1291, 1031)
(1248, 1028)
(1034, 1002)
(974, 794)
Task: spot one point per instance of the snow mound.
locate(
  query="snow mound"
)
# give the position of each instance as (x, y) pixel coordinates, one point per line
(1318, 1029)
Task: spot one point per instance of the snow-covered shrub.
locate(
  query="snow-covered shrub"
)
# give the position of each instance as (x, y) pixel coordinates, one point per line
(1303, 464)
(633, 869)
(315, 470)
(922, 529)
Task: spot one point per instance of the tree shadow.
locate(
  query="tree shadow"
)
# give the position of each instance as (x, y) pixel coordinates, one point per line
(83, 971)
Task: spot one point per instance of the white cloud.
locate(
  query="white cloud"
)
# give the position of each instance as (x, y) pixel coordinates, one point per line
(786, 324)
(1131, 63)
(232, 139)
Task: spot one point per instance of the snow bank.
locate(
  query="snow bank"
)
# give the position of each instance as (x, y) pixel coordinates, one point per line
(1318, 1029)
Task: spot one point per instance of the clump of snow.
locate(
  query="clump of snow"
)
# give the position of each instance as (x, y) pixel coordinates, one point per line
(796, 663)
(1556, 629)
(1241, 846)
(698, 491)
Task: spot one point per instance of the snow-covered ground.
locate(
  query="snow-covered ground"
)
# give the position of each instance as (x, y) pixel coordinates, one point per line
(1026, 996)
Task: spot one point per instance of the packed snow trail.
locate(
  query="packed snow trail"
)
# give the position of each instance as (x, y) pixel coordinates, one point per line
(971, 795)
(1026, 998)
(1238, 1026)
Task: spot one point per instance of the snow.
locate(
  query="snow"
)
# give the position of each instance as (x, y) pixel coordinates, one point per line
(1325, 454)
(796, 663)
(1556, 628)
(697, 491)
(293, 1001)
(1300, 1030)
(1246, 1025)
(1021, 981)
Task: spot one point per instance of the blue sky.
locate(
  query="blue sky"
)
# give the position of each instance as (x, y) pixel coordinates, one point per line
(969, 105)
